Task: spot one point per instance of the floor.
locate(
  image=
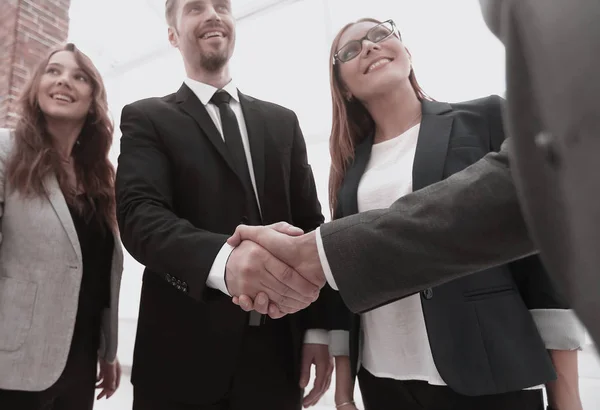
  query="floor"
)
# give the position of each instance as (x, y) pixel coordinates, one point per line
(589, 370)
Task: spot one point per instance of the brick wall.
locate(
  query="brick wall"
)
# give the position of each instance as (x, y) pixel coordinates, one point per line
(28, 30)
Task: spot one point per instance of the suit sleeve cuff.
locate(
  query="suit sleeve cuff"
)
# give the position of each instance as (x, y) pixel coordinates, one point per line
(339, 343)
(316, 336)
(216, 276)
(324, 261)
(559, 328)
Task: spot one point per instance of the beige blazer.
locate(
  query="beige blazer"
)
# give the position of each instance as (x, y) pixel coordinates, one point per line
(40, 277)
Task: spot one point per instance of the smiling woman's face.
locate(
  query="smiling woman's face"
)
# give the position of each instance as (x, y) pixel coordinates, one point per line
(377, 67)
(65, 90)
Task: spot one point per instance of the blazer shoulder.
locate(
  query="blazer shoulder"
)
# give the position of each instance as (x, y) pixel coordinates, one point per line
(153, 104)
(483, 104)
(273, 108)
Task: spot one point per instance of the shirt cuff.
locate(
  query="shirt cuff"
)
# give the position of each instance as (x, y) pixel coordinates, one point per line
(560, 329)
(324, 261)
(216, 276)
(316, 336)
(339, 343)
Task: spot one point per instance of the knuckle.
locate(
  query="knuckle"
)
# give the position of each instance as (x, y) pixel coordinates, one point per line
(253, 251)
(246, 268)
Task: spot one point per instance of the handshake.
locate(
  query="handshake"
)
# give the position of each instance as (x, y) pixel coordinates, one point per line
(274, 269)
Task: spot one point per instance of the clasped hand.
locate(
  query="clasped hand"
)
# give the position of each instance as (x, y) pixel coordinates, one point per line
(274, 269)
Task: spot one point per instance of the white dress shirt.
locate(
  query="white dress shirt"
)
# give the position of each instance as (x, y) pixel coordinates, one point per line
(216, 276)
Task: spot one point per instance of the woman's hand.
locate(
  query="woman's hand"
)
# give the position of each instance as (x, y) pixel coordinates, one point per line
(344, 384)
(109, 378)
(563, 393)
(349, 406)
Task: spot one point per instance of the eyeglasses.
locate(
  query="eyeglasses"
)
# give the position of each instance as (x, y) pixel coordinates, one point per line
(376, 34)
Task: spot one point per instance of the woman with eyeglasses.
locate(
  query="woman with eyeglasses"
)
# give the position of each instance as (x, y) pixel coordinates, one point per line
(491, 340)
(60, 256)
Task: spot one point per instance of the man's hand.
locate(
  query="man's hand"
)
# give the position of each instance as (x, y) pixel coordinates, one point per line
(109, 378)
(251, 269)
(318, 355)
(301, 250)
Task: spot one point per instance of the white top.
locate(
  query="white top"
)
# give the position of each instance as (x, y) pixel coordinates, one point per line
(216, 276)
(395, 343)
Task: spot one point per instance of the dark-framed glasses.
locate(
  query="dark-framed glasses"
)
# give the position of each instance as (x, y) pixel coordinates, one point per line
(376, 34)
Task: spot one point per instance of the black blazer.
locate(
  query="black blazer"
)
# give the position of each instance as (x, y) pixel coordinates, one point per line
(482, 336)
(178, 200)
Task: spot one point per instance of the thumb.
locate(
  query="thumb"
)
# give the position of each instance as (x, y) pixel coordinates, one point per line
(246, 232)
(305, 370)
(238, 236)
(286, 228)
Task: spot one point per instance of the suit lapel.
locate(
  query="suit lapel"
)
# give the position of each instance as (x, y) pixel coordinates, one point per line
(194, 107)
(430, 155)
(349, 190)
(57, 200)
(257, 132)
(432, 145)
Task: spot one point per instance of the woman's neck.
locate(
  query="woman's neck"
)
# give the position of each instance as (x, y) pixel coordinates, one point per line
(64, 135)
(394, 112)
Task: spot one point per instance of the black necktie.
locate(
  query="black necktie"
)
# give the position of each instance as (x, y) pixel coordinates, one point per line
(233, 141)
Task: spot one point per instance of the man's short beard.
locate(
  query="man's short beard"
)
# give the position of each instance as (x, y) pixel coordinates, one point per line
(214, 61)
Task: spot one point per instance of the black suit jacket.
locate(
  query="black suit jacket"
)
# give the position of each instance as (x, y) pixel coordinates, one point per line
(178, 200)
(482, 336)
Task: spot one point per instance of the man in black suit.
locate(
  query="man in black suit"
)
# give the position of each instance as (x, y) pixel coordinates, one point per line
(193, 166)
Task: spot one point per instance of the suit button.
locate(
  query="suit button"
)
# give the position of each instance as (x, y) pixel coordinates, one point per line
(547, 145)
(428, 293)
(244, 220)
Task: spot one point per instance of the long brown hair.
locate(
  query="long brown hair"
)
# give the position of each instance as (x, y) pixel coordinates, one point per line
(34, 157)
(351, 122)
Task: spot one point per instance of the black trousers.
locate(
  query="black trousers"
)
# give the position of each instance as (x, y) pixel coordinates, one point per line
(383, 394)
(263, 378)
(74, 389)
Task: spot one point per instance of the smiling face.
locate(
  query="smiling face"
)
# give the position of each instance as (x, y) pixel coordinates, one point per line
(377, 67)
(204, 32)
(65, 90)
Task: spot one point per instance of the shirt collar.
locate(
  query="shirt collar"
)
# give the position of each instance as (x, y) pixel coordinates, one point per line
(205, 92)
